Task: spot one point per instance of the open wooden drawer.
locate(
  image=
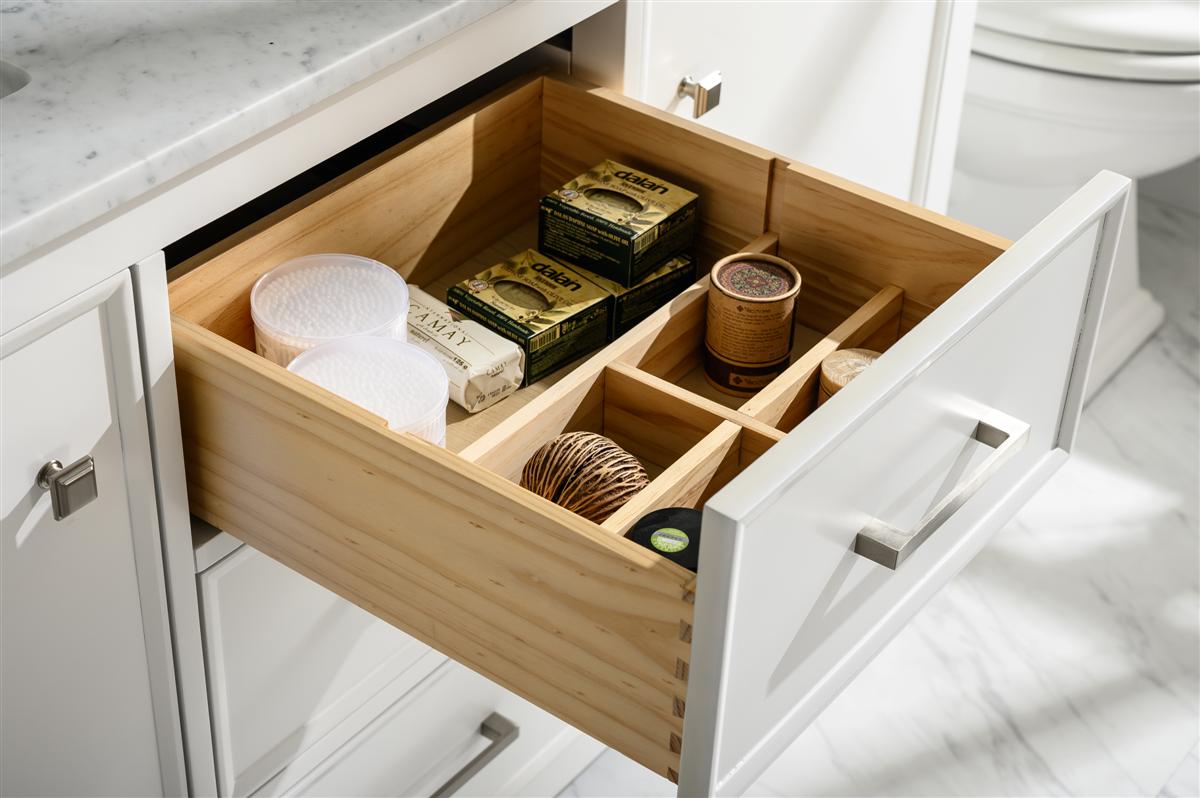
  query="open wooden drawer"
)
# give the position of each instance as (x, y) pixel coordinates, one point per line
(704, 681)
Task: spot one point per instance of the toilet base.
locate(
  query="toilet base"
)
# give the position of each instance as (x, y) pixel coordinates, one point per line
(1131, 313)
(1127, 323)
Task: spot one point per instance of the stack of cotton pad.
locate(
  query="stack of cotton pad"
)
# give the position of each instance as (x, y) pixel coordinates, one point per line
(315, 299)
(394, 379)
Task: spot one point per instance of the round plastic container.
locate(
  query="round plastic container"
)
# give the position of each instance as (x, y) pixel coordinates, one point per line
(315, 299)
(394, 379)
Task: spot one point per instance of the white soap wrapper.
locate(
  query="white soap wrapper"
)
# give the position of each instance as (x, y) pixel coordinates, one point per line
(482, 366)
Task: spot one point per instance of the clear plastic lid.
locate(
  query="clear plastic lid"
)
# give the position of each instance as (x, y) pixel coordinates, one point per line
(319, 298)
(394, 379)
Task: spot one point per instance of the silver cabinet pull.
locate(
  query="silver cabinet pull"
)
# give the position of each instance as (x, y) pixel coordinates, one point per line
(71, 487)
(502, 732)
(705, 92)
(888, 546)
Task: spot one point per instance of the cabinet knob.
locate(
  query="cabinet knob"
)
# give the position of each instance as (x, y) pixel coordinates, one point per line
(705, 92)
(71, 487)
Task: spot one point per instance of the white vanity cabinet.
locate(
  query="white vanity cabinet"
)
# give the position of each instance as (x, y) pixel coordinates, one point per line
(87, 690)
(399, 608)
(869, 90)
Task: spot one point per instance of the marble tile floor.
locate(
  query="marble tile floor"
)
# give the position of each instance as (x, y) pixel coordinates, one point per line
(1064, 660)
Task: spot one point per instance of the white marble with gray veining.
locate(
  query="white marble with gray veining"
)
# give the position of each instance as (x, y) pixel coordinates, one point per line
(1185, 782)
(127, 95)
(1065, 659)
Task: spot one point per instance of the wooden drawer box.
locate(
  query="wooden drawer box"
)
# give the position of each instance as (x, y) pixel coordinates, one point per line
(978, 392)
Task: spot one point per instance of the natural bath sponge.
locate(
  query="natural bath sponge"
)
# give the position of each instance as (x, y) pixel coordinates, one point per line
(586, 473)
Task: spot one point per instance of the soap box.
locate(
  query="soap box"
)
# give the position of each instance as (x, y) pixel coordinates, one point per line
(630, 305)
(482, 366)
(618, 222)
(552, 312)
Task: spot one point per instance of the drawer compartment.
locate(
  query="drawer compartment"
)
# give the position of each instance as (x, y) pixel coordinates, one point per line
(444, 544)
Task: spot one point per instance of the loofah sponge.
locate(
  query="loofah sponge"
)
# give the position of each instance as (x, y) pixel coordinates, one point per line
(586, 473)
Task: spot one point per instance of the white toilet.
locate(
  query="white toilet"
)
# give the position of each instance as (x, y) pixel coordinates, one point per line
(1060, 90)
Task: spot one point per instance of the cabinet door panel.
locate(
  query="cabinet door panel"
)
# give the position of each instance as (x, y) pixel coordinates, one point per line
(291, 668)
(86, 688)
(840, 86)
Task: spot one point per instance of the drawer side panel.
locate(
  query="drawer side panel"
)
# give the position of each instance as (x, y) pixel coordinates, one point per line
(849, 241)
(583, 624)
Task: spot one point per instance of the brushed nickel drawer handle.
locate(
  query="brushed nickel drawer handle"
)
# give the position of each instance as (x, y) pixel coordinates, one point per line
(502, 732)
(705, 92)
(888, 546)
(71, 487)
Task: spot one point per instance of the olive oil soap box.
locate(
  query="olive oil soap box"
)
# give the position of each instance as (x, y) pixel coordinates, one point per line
(552, 312)
(631, 305)
(618, 222)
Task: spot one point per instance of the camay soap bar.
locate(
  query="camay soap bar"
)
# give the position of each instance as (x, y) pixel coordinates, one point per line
(482, 366)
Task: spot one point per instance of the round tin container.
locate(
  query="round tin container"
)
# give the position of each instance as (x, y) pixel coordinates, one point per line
(674, 532)
(751, 308)
(839, 368)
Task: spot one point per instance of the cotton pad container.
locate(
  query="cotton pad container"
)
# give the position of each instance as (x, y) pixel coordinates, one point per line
(394, 379)
(315, 299)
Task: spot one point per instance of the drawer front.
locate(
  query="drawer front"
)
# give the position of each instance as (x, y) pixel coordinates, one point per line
(787, 611)
(436, 733)
(292, 668)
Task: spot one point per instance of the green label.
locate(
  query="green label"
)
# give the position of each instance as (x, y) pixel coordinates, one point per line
(669, 539)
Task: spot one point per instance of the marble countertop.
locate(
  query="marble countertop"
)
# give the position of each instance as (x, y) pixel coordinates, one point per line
(125, 96)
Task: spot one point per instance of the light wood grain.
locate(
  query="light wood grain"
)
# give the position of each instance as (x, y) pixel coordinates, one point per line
(665, 404)
(581, 126)
(433, 205)
(683, 483)
(791, 396)
(849, 241)
(541, 601)
(706, 468)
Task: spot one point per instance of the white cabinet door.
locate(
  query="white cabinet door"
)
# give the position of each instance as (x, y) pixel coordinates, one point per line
(868, 90)
(293, 669)
(934, 447)
(87, 694)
